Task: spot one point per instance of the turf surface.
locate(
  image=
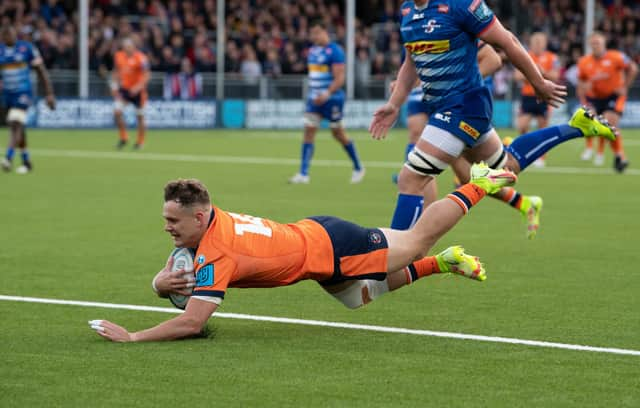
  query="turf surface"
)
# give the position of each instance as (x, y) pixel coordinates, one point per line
(86, 225)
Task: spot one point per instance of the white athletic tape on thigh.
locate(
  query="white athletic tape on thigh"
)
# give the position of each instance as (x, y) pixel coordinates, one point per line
(425, 164)
(498, 159)
(17, 115)
(311, 120)
(118, 105)
(335, 125)
(361, 292)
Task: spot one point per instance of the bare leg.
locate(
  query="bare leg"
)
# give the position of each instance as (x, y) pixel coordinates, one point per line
(141, 131)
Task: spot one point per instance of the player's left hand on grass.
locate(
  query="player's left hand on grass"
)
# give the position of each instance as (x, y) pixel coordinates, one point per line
(551, 93)
(51, 101)
(110, 331)
(383, 119)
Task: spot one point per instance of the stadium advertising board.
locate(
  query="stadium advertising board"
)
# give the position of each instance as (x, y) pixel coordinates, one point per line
(78, 113)
(272, 114)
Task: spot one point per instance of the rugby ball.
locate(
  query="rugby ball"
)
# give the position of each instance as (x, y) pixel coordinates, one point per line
(182, 260)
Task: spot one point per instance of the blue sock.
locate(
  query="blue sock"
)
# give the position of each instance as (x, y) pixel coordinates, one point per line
(25, 156)
(305, 159)
(528, 147)
(408, 150)
(408, 209)
(351, 150)
(10, 152)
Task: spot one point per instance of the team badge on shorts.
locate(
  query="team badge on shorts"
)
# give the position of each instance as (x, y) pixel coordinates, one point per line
(375, 238)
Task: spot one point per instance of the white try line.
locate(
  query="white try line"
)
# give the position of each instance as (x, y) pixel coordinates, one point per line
(278, 161)
(350, 326)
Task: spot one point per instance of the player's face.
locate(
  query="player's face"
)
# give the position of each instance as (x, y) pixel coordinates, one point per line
(183, 224)
(597, 45)
(318, 35)
(538, 43)
(9, 36)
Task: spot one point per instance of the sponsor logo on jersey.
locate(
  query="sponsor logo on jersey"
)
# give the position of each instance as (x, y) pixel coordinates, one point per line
(431, 47)
(442, 117)
(443, 8)
(318, 68)
(204, 277)
(468, 129)
(431, 26)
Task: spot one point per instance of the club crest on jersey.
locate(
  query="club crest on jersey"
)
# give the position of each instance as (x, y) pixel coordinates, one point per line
(468, 129)
(417, 16)
(200, 259)
(431, 47)
(431, 26)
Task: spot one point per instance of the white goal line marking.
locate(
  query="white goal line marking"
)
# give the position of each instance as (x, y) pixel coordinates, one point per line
(350, 326)
(276, 161)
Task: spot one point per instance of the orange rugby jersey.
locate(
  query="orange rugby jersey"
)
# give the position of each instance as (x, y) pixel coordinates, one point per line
(130, 68)
(606, 74)
(548, 61)
(244, 251)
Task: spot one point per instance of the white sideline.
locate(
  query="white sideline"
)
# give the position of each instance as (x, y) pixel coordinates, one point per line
(276, 161)
(351, 326)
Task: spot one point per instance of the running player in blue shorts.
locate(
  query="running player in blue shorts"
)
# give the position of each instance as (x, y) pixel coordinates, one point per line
(441, 38)
(325, 101)
(417, 116)
(16, 60)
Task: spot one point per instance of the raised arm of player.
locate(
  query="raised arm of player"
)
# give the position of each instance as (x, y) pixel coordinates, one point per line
(188, 324)
(546, 90)
(385, 116)
(489, 61)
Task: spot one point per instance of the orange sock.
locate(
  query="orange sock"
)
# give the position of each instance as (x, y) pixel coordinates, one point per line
(616, 146)
(467, 196)
(419, 269)
(511, 197)
(140, 140)
(123, 134)
(589, 142)
(601, 145)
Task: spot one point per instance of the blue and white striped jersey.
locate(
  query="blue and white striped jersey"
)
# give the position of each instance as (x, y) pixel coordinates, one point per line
(442, 41)
(319, 62)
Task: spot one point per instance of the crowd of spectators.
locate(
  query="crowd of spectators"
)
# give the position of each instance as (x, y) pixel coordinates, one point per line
(270, 37)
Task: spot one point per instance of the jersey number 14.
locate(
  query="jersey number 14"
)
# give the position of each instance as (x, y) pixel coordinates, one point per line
(250, 224)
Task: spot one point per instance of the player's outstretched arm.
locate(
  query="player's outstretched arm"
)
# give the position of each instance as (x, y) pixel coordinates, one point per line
(385, 116)
(546, 90)
(188, 324)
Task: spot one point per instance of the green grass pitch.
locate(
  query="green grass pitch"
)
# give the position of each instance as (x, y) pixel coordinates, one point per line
(86, 225)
